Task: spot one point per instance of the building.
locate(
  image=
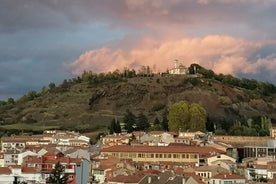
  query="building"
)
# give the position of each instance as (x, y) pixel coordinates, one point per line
(164, 155)
(228, 179)
(207, 172)
(179, 69)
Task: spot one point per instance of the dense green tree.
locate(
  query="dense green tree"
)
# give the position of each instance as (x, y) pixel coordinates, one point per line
(11, 101)
(52, 86)
(165, 121)
(130, 121)
(44, 90)
(31, 95)
(197, 117)
(266, 125)
(210, 126)
(184, 117)
(156, 121)
(57, 175)
(118, 128)
(179, 116)
(112, 126)
(142, 122)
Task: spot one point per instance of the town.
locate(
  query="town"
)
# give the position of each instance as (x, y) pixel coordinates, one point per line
(139, 157)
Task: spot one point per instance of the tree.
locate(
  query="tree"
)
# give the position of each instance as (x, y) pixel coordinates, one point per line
(11, 101)
(52, 86)
(210, 126)
(117, 128)
(44, 90)
(184, 117)
(165, 121)
(112, 127)
(179, 116)
(31, 95)
(142, 122)
(197, 117)
(129, 120)
(57, 175)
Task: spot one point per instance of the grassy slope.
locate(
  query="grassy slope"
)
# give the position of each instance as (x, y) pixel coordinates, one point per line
(71, 109)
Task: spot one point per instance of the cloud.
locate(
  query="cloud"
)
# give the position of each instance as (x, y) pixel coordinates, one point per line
(216, 16)
(222, 53)
(228, 36)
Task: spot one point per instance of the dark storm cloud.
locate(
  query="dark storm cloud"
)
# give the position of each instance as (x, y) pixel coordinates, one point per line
(38, 37)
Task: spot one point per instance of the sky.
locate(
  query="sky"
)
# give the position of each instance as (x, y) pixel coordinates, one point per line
(49, 41)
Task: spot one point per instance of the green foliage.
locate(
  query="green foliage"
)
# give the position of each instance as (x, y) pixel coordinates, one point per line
(142, 122)
(260, 88)
(210, 127)
(158, 106)
(249, 127)
(184, 117)
(2, 103)
(44, 90)
(197, 117)
(130, 121)
(112, 127)
(57, 175)
(52, 86)
(225, 100)
(115, 127)
(10, 101)
(135, 123)
(165, 121)
(32, 95)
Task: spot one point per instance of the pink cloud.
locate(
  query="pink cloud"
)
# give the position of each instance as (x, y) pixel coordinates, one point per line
(222, 53)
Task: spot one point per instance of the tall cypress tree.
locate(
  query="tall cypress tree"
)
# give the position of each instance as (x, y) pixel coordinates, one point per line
(58, 175)
(112, 127)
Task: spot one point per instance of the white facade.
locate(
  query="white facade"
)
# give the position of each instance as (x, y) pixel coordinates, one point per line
(84, 138)
(23, 155)
(221, 157)
(99, 175)
(6, 178)
(179, 69)
(228, 181)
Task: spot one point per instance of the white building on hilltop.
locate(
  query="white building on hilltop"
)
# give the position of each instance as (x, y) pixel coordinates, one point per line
(179, 69)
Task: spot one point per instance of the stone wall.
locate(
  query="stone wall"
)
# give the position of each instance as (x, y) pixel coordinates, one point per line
(242, 140)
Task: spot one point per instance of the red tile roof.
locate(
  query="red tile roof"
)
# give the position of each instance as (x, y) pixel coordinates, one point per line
(5, 170)
(163, 149)
(228, 176)
(29, 170)
(126, 179)
(150, 171)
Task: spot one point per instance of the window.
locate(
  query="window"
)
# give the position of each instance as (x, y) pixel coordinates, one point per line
(175, 156)
(169, 155)
(70, 177)
(227, 182)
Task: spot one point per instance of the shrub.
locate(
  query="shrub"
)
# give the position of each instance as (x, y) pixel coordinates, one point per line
(225, 100)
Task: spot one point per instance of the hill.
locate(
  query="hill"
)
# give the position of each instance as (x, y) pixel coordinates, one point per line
(88, 103)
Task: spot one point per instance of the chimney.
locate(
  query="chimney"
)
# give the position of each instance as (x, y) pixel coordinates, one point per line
(149, 179)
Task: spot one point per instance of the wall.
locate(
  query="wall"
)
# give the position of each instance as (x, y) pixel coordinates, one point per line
(242, 140)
